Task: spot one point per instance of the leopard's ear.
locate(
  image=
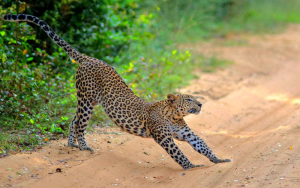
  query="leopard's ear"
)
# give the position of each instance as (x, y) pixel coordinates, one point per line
(171, 98)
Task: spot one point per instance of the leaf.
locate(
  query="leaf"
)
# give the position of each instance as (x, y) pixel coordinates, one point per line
(64, 118)
(2, 33)
(22, 6)
(31, 121)
(3, 57)
(30, 59)
(25, 52)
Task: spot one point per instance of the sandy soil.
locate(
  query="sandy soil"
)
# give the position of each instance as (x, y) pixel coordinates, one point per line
(251, 114)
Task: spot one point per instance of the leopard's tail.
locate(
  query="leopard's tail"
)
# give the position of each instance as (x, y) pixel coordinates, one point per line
(74, 54)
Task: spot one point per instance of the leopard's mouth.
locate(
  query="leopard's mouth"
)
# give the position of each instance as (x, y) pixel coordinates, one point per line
(193, 111)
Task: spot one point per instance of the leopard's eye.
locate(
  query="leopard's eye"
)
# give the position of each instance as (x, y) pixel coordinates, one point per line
(190, 100)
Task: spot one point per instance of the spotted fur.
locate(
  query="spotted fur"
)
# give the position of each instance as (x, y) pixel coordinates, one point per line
(98, 82)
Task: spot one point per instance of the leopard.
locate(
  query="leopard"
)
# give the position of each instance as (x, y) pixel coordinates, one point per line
(99, 83)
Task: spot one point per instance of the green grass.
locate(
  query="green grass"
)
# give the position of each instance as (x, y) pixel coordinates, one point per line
(212, 64)
(191, 21)
(266, 16)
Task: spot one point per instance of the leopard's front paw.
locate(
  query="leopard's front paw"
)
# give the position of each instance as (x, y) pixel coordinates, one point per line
(200, 165)
(191, 166)
(86, 148)
(226, 160)
(218, 160)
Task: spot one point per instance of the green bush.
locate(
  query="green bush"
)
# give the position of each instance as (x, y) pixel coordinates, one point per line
(37, 90)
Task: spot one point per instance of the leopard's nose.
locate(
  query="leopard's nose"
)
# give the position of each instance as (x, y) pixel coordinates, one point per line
(200, 105)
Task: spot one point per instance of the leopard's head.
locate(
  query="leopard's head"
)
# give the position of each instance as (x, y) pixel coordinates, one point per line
(184, 104)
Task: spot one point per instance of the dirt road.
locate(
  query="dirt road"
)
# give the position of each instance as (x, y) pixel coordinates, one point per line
(251, 114)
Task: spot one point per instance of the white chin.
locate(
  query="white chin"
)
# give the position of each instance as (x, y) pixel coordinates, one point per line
(197, 113)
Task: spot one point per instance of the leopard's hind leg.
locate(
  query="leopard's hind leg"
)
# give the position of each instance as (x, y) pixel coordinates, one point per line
(184, 133)
(80, 122)
(72, 133)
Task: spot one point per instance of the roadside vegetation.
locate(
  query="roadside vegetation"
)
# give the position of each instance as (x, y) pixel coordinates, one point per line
(139, 38)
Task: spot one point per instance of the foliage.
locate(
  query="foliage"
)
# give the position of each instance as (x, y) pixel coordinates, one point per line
(37, 83)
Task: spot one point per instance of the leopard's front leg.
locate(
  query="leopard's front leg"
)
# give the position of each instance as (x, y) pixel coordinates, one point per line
(186, 134)
(164, 138)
